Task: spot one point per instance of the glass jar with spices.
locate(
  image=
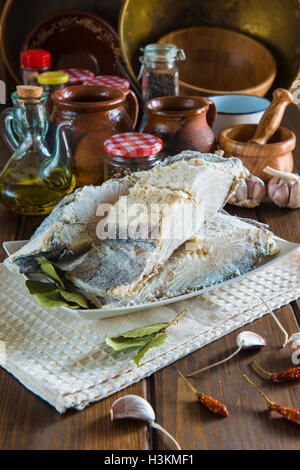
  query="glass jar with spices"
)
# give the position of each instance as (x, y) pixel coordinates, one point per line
(159, 72)
(33, 63)
(52, 81)
(130, 152)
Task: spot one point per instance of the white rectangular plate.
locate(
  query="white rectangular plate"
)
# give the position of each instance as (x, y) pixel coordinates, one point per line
(285, 248)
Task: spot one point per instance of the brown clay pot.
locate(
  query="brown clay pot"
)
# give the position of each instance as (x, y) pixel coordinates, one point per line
(182, 122)
(97, 113)
(277, 153)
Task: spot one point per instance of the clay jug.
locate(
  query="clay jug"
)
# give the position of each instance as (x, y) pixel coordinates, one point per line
(182, 122)
(97, 113)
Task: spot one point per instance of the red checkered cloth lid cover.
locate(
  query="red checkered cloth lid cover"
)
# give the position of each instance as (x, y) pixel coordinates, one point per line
(111, 81)
(133, 144)
(78, 76)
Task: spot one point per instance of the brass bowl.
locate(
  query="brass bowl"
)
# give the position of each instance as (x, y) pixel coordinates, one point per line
(275, 23)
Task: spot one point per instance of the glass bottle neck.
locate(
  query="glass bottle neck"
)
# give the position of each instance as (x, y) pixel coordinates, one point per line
(30, 117)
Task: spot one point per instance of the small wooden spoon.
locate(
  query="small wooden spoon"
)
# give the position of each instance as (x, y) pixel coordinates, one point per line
(272, 117)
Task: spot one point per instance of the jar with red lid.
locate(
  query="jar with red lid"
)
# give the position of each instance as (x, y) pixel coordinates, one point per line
(33, 63)
(130, 152)
(78, 76)
(111, 81)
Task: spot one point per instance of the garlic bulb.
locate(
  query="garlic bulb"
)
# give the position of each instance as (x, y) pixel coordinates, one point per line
(249, 193)
(135, 407)
(284, 188)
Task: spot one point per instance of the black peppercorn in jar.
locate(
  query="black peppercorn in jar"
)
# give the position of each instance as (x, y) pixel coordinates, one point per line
(159, 72)
(130, 152)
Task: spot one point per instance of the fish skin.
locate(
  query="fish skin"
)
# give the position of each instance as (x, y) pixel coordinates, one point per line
(203, 261)
(70, 230)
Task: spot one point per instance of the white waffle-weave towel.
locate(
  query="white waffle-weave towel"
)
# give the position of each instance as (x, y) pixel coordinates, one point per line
(65, 360)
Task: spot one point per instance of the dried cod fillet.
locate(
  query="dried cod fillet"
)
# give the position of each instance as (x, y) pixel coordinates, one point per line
(230, 247)
(70, 230)
(117, 266)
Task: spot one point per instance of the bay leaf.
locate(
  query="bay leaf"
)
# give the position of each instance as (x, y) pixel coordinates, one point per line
(158, 340)
(50, 271)
(37, 287)
(74, 298)
(144, 331)
(52, 299)
(119, 343)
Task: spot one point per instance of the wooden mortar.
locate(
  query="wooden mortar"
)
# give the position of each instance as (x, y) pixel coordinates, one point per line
(265, 144)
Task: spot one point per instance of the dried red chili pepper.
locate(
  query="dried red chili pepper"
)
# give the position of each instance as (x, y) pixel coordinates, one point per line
(213, 405)
(210, 403)
(288, 375)
(288, 413)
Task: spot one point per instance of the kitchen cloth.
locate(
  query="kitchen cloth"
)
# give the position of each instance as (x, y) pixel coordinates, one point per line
(65, 360)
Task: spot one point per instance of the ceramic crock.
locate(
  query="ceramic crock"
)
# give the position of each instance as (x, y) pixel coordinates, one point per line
(182, 122)
(97, 113)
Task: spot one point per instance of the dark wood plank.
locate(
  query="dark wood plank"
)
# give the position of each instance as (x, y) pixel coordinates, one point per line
(29, 423)
(249, 425)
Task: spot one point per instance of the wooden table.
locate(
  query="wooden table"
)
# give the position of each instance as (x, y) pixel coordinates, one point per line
(27, 422)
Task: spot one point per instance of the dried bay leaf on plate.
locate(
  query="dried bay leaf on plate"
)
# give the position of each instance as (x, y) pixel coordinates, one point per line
(50, 271)
(74, 298)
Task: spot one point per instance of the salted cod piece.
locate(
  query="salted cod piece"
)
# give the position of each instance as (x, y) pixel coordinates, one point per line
(70, 230)
(231, 246)
(120, 266)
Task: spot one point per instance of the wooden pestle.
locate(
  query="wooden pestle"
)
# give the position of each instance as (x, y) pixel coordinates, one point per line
(272, 117)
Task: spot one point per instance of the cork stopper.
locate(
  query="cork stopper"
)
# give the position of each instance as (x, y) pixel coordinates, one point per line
(29, 91)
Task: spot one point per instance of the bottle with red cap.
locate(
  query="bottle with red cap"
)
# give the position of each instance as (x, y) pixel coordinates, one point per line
(33, 63)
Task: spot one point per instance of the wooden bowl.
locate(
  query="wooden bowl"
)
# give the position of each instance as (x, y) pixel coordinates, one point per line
(276, 154)
(220, 61)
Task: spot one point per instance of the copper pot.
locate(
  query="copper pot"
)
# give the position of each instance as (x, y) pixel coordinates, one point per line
(97, 113)
(182, 122)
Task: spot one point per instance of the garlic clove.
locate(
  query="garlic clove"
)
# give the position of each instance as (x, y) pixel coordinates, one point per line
(294, 337)
(132, 406)
(249, 340)
(259, 190)
(136, 407)
(294, 201)
(242, 191)
(279, 192)
(244, 340)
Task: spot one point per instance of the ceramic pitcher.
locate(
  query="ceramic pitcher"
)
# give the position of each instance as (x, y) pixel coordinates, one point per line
(97, 113)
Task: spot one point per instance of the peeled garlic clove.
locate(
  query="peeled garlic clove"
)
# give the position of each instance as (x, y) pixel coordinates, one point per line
(249, 339)
(294, 201)
(132, 406)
